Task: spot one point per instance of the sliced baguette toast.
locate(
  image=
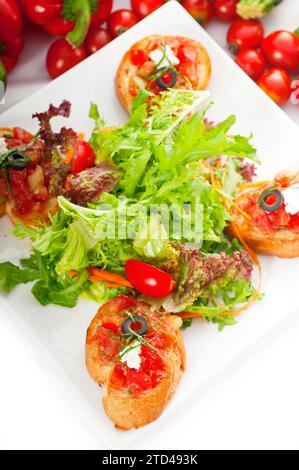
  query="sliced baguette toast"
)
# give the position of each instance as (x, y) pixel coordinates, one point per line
(125, 82)
(283, 242)
(130, 410)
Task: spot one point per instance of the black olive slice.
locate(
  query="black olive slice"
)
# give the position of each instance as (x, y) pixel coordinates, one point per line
(167, 77)
(17, 161)
(270, 200)
(137, 324)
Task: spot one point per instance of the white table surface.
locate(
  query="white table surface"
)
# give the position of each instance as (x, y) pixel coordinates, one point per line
(253, 405)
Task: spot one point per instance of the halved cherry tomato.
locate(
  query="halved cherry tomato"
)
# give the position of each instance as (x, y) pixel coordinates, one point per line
(277, 84)
(120, 21)
(96, 39)
(147, 279)
(62, 56)
(252, 62)
(245, 34)
(83, 158)
(201, 10)
(226, 10)
(281, 49)
(143, 8)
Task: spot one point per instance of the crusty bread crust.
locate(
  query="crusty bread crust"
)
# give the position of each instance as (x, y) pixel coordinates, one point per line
(129, 412)
(283, 243)
(126, 70)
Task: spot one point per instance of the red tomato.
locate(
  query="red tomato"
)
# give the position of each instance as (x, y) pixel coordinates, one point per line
(96, 39)
(22, 135)
(147, 279)
(138, 57)
(102, 13)
(84, 157)
(295, 91)
(277, 84)
(294, 222)
(62, 56)
(143, 8)
(201, 10)
(42, 11)
(59, 26)
(281, 49)
(244, 34)
(20, 192)
(226, 10)
(120, 21)
(108, 343)
(118, 378)
(252, 62)
(118, 305)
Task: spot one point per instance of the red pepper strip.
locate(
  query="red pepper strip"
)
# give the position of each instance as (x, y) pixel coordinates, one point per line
(11, 39)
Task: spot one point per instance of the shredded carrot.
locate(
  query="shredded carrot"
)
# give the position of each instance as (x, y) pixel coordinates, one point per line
(72, 273)
(256, 184)
(70, 154)
(103, 275)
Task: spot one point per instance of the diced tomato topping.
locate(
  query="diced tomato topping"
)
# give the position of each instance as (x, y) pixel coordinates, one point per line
(186, 54)
(118, 378)
(108, 343)
(138, 57)
(3, 187)
(20, 192)
(294, 222)
(118, 305)
(111, 326)
(138, 381)
(22, 135)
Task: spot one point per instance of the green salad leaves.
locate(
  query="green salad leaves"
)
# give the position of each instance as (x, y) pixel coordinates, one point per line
(153, 199)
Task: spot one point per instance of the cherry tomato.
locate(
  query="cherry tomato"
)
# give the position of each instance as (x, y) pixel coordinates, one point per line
(226, 10)
(62, 56)
(147, 279)
(84, 157)
(281, 49)
(252, 62)
(245, 34)
(201, 10)
(96, 38)
(102, 13)
(43, 11)
(120, 21)
(295, 91)
(277, 84)
(143, 8)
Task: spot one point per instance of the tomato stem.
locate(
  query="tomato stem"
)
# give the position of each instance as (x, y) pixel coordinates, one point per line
(82, 13)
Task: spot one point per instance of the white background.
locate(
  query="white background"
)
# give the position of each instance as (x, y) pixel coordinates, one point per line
(254, 406)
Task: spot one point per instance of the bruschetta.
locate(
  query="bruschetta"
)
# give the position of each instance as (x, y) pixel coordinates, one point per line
(23, 190)
(160, 62)
(271, 226)
(137, 352)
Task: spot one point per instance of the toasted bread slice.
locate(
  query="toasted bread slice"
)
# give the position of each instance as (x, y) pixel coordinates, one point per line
(283, 242)
(126, 83)
(125, 409)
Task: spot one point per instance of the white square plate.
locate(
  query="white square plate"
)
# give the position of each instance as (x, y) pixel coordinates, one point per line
(58, 334)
